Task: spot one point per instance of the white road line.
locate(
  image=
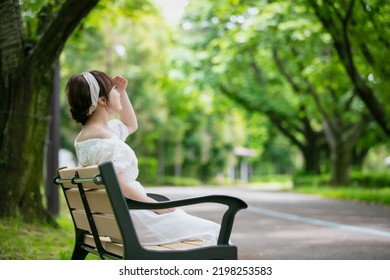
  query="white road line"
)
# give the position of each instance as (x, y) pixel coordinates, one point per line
(317, 222)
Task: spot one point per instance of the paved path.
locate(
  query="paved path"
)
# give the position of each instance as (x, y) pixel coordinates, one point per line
(287, 226)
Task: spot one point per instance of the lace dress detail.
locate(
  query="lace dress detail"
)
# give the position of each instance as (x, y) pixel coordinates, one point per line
(99, 150)
(152, 229)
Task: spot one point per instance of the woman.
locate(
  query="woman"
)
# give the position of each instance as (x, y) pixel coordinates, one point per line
(94, 99)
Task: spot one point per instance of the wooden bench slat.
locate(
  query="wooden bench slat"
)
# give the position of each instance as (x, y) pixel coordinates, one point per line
(106, 224)
(84, 172)
(117, 248)
(108, 245)
(197, 243)
(156, 248)
(97, 200)
(184, 245)
(81, 220)
(67, 173)
(74, 199)
(88, 172)
(179, 246)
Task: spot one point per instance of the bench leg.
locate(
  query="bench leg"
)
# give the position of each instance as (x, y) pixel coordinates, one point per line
(79, 253)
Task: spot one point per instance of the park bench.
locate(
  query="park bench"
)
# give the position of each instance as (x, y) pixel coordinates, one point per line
(103, 225)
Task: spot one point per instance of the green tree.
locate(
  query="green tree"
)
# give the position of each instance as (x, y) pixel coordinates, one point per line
(33, 34)
(32, 37)
(360, 32)
(256, 47)
(307, 61)
(237, 61)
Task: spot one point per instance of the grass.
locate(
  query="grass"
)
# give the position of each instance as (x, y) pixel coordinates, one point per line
(20, 241)
(378, 196)
(311, 186)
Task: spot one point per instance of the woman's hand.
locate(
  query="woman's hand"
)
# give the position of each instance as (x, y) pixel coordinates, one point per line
(164, 211)
(127, 115)
(131, 192)
(120, 84)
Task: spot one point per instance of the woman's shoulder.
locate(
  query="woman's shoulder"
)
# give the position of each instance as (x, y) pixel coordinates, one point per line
(89, 133)
(118, 128)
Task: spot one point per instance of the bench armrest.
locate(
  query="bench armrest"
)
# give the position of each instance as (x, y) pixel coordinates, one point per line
(234, 205)
(158, 197)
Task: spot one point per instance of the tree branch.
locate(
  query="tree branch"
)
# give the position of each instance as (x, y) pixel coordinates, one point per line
(282, 69)
(276, 118)
(336, 11)
(257, 71)
(370, 16)
(58, 30)
(356, 131)
(309, 89)
(343, 49)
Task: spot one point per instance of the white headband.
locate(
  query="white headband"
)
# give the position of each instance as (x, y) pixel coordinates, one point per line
(94, 90)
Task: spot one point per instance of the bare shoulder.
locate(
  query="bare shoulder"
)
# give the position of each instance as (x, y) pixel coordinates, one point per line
(93, 132)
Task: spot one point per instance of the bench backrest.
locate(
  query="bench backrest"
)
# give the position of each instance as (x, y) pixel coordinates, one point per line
(91, 192)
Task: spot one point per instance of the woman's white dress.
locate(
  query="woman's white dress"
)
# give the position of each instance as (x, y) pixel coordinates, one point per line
(152, 228)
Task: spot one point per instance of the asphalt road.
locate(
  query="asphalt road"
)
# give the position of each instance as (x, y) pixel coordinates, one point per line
(285, 226)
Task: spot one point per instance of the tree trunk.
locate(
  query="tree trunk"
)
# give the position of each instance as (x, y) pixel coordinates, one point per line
(358, 157)
(311, 146)
(26, 75)
(161, 158)
(340, 164)
(23, 145)
(178, 160)
(312, 157)
(342, 143)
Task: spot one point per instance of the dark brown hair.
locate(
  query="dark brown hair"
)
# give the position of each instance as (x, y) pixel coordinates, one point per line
(79, 96)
